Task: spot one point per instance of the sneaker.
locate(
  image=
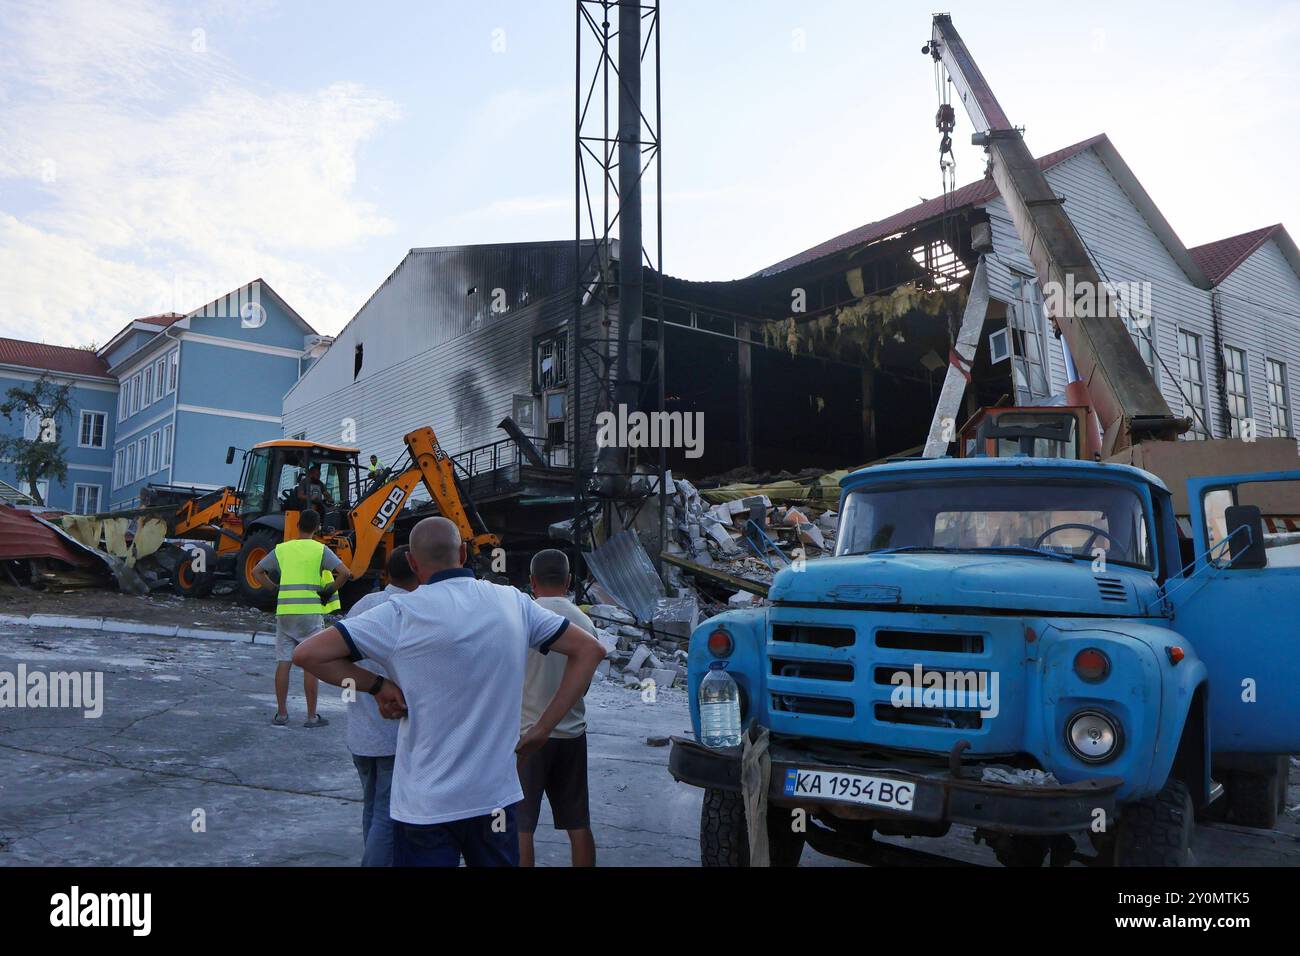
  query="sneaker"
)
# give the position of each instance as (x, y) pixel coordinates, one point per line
(280, 720)
(317, 721)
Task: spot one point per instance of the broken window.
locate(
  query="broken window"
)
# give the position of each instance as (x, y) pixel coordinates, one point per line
(551, 361)
(943, 265)
(357, 356)
(1235, 389)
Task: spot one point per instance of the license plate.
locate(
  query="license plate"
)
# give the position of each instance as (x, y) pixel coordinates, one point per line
(850, 788)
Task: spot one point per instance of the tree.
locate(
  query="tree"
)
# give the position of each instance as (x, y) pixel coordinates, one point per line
(43, 456)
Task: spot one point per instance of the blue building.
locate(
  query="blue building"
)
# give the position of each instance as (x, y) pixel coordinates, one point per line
(162, 400)
(87, 437)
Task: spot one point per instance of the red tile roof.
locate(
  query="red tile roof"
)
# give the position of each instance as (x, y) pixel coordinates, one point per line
(972, 194)
(1218, 259)
(55, 358)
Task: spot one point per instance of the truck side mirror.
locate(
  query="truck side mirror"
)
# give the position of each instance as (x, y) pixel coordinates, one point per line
(1246, 536)
(230, 454)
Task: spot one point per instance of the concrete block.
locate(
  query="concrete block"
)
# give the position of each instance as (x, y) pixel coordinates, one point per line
(64, 620)
(139, 627)
(639, 657)
(663, 676)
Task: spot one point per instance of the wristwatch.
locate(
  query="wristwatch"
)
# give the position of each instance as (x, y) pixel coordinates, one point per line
(379, 682)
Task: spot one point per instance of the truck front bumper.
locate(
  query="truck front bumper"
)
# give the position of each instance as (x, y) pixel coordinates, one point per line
(938, 795)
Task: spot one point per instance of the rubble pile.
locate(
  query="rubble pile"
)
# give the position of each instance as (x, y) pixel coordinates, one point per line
(719, 555)
(635, 653)
(745, 536)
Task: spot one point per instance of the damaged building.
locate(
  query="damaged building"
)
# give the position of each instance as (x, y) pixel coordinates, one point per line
(831, 358)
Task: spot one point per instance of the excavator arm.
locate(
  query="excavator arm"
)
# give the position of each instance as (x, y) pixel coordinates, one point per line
(1122, 392)
(373, 516)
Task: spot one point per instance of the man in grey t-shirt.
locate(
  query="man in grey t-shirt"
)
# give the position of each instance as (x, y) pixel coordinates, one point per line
(292, 629)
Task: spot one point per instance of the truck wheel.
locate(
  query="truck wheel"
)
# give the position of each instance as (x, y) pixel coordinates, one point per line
(724, 839)
(256, 546)
(188, 582)
(1156, 831)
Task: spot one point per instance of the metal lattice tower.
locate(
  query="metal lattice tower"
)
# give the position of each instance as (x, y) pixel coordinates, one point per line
(616, 151)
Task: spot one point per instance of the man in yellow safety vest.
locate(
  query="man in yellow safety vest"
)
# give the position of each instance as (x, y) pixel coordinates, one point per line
(310, 577)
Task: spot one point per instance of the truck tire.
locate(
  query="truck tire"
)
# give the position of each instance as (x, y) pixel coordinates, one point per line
(1156, 831)
(724, 838)
(255, 547)
(188, 582)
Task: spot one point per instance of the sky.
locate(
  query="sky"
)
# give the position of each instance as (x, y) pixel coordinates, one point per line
(155, 155)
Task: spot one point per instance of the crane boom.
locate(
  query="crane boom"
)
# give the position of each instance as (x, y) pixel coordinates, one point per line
(1122, 392)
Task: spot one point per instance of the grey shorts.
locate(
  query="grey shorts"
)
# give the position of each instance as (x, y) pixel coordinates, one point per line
(291, 630)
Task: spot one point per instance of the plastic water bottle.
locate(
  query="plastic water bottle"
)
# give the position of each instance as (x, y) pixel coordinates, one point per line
(719, 708)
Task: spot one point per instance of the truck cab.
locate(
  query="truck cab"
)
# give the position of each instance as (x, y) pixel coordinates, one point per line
(1015, 645)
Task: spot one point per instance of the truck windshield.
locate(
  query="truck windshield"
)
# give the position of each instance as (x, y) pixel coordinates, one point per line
(1058, 518)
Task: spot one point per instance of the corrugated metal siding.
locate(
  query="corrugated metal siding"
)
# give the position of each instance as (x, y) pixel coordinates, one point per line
(1260, 308)
(434, 355)
(1126, 250)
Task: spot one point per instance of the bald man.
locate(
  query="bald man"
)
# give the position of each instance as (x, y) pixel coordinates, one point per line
(456, 649)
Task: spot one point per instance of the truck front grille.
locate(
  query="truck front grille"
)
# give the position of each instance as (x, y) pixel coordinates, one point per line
(812, 670)
(929, 717)
(812, 706)
(930, 641)
(813, 634)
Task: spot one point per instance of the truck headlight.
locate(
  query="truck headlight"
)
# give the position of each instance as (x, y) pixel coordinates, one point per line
(1092, 736)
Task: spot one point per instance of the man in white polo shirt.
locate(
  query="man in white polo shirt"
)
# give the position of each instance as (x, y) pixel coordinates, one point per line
(456, 649)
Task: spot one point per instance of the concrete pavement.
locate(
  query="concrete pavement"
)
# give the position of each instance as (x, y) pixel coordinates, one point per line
(185, 735)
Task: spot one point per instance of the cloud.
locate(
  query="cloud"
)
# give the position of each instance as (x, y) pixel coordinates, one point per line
(148, 165)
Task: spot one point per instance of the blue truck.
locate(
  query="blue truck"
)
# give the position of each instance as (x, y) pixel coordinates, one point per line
(1025, 646)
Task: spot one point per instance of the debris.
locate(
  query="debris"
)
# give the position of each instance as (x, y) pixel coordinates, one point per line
(658, 741)
(623, 567)
(741, 599)
(1009, 775)
(733, 582)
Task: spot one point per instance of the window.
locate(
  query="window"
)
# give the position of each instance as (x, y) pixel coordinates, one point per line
(158, 373)
(173, 368)
(1191, 376)
(551, 361)
(153, 451)
(119, 468)
(146, 392)
(142, 457)
(1236, 392)
(1279, 398)
(85, 499)
(135, 393)
(31, 426)
(91, 433)
(1068, 520)
(129, 475)
(1144, 336)
(123, 400)
(167, 446)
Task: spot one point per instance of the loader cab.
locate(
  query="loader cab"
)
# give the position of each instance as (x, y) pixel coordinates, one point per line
(274, 471)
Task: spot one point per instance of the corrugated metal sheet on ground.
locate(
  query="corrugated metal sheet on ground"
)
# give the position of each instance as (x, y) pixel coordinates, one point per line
(623, 568)
(22, 537)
